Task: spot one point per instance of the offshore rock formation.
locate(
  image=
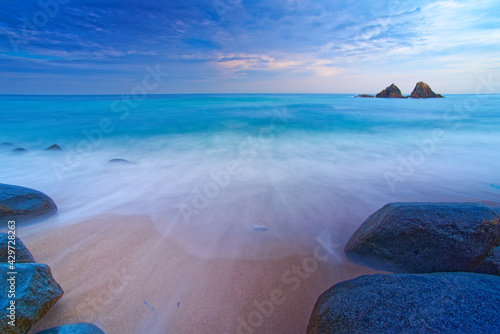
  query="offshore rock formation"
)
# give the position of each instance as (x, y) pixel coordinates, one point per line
(423, 91)
(364, 95)
(392, 91)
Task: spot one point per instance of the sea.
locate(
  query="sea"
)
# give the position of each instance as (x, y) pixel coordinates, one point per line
(228, 169)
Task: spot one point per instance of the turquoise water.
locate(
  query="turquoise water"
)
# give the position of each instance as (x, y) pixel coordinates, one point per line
(234, 165)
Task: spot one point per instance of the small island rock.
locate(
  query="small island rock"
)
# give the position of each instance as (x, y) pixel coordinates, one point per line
(20, 150)
(24, 204)
(392, 92)
(364, 95)
(410, 303)
(423, 91)
(427, 237)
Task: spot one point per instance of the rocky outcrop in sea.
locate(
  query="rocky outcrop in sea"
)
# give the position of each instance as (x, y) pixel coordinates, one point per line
(392, 92)
(423, 91)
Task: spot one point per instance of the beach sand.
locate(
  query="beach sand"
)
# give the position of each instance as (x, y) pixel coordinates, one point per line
(122, 274)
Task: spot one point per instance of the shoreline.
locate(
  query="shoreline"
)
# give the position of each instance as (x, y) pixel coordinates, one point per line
(121, 274)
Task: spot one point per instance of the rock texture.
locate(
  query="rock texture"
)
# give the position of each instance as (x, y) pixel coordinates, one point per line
(392, 91)
(364, 95)
(54, 147)
(491, 264)
(428, 237)
(405, 303)
(80, 328)
(22, 254)
(423, 91)
(23, 204)
(35, 293)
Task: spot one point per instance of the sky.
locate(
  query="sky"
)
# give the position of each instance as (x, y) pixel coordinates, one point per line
(247, 46)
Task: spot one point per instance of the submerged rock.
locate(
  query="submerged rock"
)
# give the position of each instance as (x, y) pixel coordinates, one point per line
(22, 254)
(405, 303)
(35, 293)
(392, 91)
(423, 91)
(23, 204)
(80, 328)
(118, 161)
(6, 144)
(427, 237)
(54, 147)
(20, 150)
(364, 95)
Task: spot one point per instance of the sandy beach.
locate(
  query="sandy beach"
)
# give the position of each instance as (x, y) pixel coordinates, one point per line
(120, 273)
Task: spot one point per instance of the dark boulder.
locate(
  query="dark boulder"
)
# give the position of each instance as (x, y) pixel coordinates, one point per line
(426, 237)
(54, 147)
(24, 204)
(364, 95)
(392, 91)
(35, 293)
(22, 254)
(80, 328)
(406, 303)
(423, 91)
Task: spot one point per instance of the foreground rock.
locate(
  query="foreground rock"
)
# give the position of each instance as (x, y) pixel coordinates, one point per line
(22, 254)
(364, 95)
(392, 91)
(403, 303)
(35, 293)
(80, 328)
(23, 204)
(428, 237)
(423, 91)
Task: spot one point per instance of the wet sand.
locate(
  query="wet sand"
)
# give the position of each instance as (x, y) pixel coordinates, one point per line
(121, 274)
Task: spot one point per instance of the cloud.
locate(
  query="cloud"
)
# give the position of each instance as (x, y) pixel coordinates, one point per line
(216, 40)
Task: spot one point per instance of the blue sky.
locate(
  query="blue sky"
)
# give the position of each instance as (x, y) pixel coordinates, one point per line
(230, 46)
